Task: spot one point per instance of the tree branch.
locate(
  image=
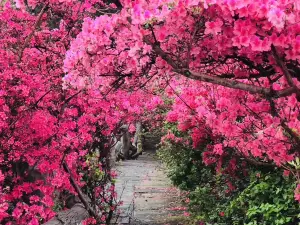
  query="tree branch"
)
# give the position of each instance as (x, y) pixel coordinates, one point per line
(28, 38)
(254, 162)
(293, 134)
(282, 66)
(285, 71)
(80, 193)
(68, 100)
(266, 92)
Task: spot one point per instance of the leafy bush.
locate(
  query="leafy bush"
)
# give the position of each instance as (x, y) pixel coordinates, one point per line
(259, 196)
(269, 199)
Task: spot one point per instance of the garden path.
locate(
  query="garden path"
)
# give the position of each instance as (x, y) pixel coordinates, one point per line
(147, 194)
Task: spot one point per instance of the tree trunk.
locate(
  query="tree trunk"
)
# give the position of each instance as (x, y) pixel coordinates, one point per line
(125, 140)
(138, 131)
(116, 152)
(137, 140)
(113, 153)
(124, 149)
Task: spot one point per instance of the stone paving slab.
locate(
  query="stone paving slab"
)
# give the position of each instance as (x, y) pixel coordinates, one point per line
(146, 192)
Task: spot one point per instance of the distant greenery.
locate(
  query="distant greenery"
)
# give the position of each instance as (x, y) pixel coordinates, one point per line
(261, 197)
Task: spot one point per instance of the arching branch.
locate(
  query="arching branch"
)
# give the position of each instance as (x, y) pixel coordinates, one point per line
(265, 92)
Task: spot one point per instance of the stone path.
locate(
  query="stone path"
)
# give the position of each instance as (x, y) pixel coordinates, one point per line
(147, 194)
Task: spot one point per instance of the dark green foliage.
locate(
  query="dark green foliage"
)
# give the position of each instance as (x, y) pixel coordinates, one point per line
(269, 199)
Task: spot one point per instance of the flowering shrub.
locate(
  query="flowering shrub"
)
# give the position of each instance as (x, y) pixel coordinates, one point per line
(230, 66)
(252, 194)
(71, 71)
(46, 132)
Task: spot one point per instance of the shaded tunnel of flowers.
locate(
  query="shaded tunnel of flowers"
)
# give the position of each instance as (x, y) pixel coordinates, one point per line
(219, 79)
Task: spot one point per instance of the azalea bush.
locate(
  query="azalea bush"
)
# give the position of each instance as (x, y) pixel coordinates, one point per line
(46, 131)
(229, 66)
(256, 194)
(73, 71)
(209, 190)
